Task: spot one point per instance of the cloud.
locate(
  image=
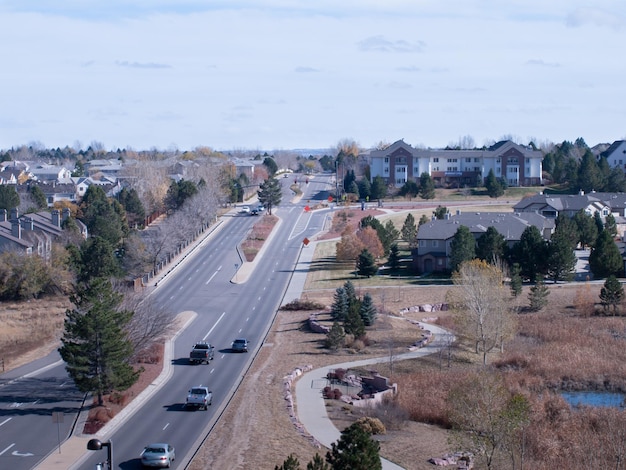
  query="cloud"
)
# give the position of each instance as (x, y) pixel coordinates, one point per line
(584, 16)
(380, 44)
(305, 69)
(142, 65)
(542, 63)
(409, 68)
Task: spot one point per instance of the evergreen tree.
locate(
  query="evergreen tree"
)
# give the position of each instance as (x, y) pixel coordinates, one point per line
(317, 464)
(353, 324)
(368, 310)
(493, 186)
(423, 220)
(355, 450)
(531, 253)
(610, 225)
(101, 216)
(409, 189)
(409, 230)
(440, 212)
(561, 257)
(339, 308)
(391, 233)
(354, 188)
(597, 218)
(617, 181)
(516, 280)
(348, 179)
(94, 347)
(587, 229)
(270, 164)
(366, 265)
(9, 199)
(291, 462)
(96, 258)
(538, 295)
(270, 194)
(394, 257)
(135, 212)
(379, 188)
(490, 245)
(589, 177)
(336, 336)
(605, 258)
(612, 293)
(38, 196)
(567, 228)
(365, 189)
(427, 186)
(462, 248)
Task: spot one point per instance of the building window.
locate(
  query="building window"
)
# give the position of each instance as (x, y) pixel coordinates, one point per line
(453, 168)
(386, 159)
(416, 170)
(512, 159)
(498, 170)
(468, 160)
(436, 159)
(386, 170)
(401, 169)
(452, 160)
(422, 243)
(476, 160)
(436, 168)
(476, 168)
(400, 159)
(435, 243)
(400, 181)
(439, 262)
(527, 161)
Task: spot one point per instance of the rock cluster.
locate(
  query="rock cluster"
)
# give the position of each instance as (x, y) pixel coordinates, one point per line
(287, 387)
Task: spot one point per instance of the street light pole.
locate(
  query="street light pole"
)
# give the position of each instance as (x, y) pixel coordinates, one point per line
(97, 444)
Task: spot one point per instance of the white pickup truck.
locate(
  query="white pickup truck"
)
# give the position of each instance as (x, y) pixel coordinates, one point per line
(199, 397)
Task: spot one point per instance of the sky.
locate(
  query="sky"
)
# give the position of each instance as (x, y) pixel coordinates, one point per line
(308, 74)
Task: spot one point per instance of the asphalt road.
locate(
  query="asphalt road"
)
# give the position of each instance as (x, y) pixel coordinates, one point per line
(224, 310)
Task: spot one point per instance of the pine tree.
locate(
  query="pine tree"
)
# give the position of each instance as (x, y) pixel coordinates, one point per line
(490, 245)
(462, 248)
(368, 310)
(605, 258)
(290, 463)
(427, 186)
(538, 295)
(94, 346)
(336, 336)
(531, 253)
(394, 257)
(339, 308)
(355, 450)
(365, 264)
(353, 323)
(516, 280)
(561, 257)
(317, 464)
(409, 230)
(270, 194)
(493, 186)
(612, 293)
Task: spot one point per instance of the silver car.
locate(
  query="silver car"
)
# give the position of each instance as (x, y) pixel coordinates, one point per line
(158, 455)
(240, 345)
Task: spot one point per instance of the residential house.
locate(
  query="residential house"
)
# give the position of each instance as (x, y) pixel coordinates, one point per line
(434, 238)
(49, 173)
(616, 154)
(33, 233)
(551, 206)
(400, 162)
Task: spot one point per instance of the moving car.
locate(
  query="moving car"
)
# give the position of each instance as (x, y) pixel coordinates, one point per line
(159, 455)
(245, 209)
(240, 345)
(201, 352)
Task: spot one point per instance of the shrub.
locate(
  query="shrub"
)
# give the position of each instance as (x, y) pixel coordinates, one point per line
(299, 304)
(371, 425)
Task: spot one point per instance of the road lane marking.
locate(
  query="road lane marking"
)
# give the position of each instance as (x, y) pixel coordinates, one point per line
(211, 330)
(5, 421)
(7, 448)
(211, 278)
(166, 426)
(212, 370)
(19, 454)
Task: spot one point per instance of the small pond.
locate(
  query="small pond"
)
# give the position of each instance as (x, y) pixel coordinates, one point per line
(609, 399)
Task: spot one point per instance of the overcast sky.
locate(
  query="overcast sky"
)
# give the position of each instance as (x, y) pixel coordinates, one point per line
(285, 74)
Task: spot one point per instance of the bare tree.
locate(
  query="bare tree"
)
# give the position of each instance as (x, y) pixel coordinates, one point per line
(482, 305)
(149, 324)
